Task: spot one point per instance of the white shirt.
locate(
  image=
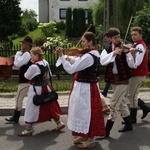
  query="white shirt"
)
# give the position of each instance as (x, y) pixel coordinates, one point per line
(80, 63)
(106, 58)
(139, 56)
(21, 59)
(79, 111)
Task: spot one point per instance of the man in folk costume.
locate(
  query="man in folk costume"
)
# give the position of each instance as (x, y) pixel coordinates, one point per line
(118, 73)
(22, 61)
(139, 72)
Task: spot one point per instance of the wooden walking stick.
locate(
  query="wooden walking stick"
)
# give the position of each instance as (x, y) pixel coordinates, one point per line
(128, 28)
(83, 35)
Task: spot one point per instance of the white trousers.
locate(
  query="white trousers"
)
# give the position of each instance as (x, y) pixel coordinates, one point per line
(118, 102)
(21, 94)
(133, 90)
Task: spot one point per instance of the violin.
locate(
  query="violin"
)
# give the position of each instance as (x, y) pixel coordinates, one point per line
(126, 47)
(75, 51)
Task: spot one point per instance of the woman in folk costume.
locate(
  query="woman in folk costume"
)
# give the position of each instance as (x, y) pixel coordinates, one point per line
(38, 73)
(85, 116)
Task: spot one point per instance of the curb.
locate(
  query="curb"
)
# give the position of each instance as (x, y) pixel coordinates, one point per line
(8, 111)
(11, 95)
(5, 111)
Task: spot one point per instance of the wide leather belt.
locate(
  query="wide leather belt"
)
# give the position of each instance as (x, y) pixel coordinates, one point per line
(115, 80)
(87, 79)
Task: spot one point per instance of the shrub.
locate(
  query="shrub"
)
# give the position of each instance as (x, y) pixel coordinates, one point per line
(81, 21)
(56, 41)
(48, 29)
(60, 25)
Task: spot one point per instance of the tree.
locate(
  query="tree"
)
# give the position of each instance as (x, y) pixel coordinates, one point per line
(74, 22)
(128, 8)
(29, 22)
(29, 19)
(10, 18)
(142, 19)
(97, 12)
(80, 21)
(69, 22)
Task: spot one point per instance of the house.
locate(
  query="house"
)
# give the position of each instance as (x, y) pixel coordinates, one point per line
(55, 10)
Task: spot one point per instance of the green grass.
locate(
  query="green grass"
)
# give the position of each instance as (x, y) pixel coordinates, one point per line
(11, 85)
(35, 35)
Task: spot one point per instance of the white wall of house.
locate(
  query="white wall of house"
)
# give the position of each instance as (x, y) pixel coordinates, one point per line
(49, 10)
(43, 11)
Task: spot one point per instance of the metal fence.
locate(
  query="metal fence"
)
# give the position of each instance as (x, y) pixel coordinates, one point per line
(49, 56)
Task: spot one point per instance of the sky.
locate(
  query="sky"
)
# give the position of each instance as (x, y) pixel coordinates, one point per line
(29, 5)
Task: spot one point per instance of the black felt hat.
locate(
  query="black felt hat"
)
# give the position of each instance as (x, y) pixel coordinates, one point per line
(27, 40)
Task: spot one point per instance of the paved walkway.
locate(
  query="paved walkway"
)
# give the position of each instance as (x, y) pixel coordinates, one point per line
(138, 139)
(7, 101)
(45, 139)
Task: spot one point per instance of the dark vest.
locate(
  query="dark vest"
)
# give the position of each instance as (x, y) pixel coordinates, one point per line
(22, 71)
(90, 74)
(124, 71)
(40, 79)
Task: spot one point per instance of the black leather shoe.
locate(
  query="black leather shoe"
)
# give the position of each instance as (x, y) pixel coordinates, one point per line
(133, 122)
(15, 117)
(145, 112)
(125, 128)
(107, 134)
(11, 119)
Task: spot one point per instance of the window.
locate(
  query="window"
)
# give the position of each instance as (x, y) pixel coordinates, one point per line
(62, 13)
(86, 13)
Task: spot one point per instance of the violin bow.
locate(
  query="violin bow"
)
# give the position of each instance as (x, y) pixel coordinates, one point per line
(83, 35)
(128, 28)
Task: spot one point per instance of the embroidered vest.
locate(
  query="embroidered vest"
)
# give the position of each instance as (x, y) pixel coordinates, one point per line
(40, 80)
(90, 74)
(124, 70)
(142, 69)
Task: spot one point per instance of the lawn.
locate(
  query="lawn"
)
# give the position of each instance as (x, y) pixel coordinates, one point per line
(34, 34)
(37, 34)
(10, 86)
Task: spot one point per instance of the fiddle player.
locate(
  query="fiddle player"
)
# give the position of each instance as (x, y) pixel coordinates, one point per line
(117, 73)
(139, 72)
(22, 61)
(85, 116)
